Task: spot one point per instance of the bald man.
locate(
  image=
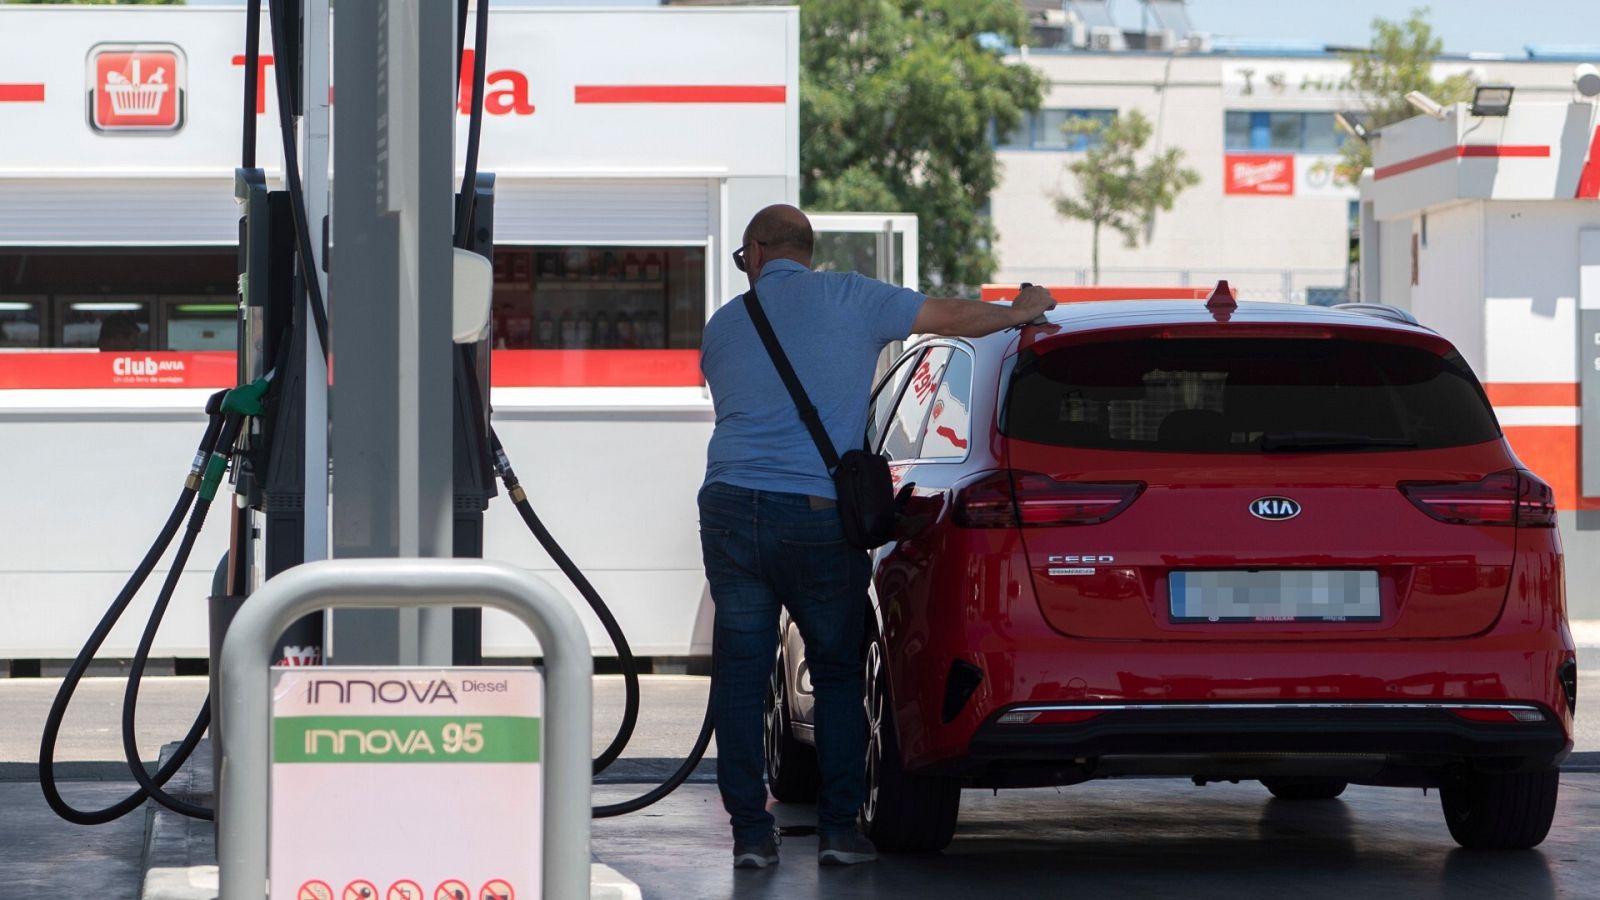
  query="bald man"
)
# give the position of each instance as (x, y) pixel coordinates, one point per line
(769, 525)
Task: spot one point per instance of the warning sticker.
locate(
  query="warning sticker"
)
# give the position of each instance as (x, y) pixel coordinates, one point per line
(498, 889)
(454, 889)
(360, 890)
(314, 890)
(404, 889)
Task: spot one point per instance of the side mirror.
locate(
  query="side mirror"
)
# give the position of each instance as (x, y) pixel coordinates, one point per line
(473, 293)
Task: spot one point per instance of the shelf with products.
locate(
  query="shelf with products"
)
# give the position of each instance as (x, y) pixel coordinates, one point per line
(599, 298)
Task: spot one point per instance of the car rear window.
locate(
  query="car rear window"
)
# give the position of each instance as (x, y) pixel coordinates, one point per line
(1251, 395)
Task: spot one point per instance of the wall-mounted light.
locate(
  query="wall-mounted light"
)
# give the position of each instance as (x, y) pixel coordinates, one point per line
(11, 306)
(1492, 100)
(1350, 126)
(1425, 104)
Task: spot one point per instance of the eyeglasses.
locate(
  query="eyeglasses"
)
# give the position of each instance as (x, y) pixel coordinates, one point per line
(738, 255)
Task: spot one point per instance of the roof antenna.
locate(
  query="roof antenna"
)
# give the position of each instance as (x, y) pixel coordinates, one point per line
(1222, 303)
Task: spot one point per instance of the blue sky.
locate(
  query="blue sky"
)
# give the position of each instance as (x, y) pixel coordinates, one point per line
(1466, 25)
(1493, 26)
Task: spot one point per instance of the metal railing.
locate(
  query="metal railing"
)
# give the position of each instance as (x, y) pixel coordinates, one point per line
(242, 794)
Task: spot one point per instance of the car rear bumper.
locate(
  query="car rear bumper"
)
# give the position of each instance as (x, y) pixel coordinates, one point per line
(1400, 743)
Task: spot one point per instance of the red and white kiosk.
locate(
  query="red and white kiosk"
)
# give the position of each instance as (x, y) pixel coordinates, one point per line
(1484, 220)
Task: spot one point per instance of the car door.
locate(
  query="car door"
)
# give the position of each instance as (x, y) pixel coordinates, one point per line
(885, 399)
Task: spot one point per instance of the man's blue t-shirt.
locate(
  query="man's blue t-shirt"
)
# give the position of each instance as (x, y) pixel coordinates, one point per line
(832, 326)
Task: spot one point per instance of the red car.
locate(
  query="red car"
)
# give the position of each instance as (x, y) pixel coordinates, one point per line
(1211, 540)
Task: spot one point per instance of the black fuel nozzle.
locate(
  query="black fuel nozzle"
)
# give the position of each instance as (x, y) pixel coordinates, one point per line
(502, 468)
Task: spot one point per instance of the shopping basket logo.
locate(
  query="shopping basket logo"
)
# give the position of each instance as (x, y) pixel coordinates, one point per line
(136, 87)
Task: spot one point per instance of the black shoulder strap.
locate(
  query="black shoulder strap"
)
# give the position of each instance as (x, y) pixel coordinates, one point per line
(808, 413)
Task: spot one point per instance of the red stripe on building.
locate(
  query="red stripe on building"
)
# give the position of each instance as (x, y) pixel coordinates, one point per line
(1589, 182)
(215, 368)
(680, 93)
(21, 93)
(1562, 393)
(1464, 151)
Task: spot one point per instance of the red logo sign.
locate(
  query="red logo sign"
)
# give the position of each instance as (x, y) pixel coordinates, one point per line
(1254, 174)
(136, 87)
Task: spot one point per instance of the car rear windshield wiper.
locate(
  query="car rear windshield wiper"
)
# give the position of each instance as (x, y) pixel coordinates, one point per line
(1282, 441)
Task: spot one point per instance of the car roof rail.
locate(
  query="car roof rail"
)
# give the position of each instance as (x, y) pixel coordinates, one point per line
(1382, 311)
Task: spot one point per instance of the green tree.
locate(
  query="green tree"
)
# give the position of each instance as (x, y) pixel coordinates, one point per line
(1114, 190)
(897, 102)
(1399, 61)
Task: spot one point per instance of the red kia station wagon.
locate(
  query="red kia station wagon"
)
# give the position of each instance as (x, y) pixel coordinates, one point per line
(1210, 540)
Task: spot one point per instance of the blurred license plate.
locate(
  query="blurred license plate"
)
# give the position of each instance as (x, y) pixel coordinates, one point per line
(1285, 595)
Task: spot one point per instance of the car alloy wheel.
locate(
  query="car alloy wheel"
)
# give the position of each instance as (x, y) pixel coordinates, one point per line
(792, 775)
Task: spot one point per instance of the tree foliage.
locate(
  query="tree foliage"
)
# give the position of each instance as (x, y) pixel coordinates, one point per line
(897, 102)
(1399, 61)
(1114, 190)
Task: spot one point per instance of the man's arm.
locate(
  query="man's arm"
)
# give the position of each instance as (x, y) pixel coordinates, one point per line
(970, 318)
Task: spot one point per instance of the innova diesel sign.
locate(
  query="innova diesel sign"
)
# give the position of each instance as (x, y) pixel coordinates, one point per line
(136, 87)
(405, 784)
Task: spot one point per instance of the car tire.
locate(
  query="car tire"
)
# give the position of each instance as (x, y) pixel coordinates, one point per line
(792, 775)
(1304, 788)
(903, 812)
(1501, 811)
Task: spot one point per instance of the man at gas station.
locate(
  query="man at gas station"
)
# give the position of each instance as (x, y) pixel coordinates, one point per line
(769, 524)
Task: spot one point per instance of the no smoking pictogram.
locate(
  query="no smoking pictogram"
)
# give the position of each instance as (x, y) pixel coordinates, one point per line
(360, 890)
(452, 890)
(314, 890)
(405, 889)
(498, 889)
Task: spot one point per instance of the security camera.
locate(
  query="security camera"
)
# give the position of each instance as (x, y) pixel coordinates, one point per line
(1425, 104)
(1586, 78)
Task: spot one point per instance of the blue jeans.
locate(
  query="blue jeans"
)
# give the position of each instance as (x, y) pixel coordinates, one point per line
(764, 549)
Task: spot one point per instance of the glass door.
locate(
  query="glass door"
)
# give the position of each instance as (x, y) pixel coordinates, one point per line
(880, 245)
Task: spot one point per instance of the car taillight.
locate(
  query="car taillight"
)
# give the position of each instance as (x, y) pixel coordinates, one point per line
(1512, 497)
(1007, 500)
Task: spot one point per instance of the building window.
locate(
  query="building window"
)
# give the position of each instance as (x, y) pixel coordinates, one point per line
(145, 299)
(599, 298)
(1042, 130)
(1281, 132)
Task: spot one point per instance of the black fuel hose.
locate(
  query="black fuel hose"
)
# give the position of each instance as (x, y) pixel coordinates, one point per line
(180, 560)
(291, 178)
(80, 664)
(502, 464)
(625, 658)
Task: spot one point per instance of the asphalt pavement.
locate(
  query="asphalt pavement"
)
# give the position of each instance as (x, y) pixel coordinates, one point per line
(1138, 838)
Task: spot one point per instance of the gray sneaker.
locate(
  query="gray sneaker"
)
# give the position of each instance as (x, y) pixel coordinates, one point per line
(845, 849)
(757, 855)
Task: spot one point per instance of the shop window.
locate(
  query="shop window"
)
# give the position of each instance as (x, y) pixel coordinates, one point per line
(199, 323)
(599, 298)
(94, 322)
(138, 299)
(21, 321)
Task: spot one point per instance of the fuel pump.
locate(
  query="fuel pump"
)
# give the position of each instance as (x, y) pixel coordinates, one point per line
(257, 432)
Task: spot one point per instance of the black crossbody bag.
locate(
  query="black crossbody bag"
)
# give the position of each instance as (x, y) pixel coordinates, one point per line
(867, 506)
